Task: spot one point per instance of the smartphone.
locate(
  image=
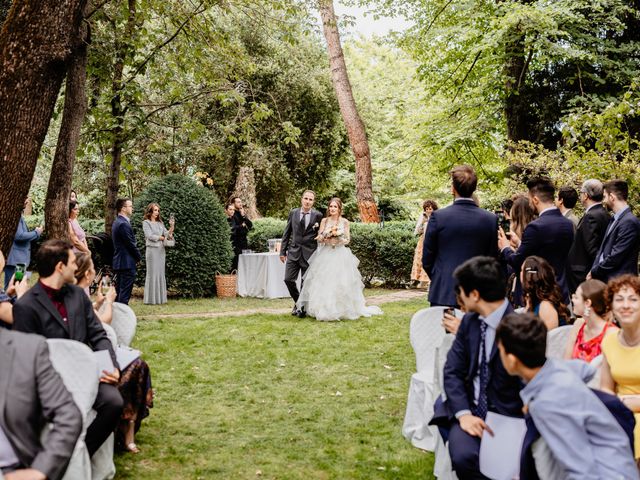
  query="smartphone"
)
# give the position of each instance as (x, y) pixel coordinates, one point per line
(21, 268)
(449, 311)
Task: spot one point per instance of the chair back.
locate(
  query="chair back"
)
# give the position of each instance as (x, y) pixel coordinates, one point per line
(111, 333)
(124, 323)
(557, 341)
(595, 381)
(441, 357)
(426, 333)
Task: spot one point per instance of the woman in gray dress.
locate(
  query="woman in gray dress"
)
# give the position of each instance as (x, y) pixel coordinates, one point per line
(157, 238)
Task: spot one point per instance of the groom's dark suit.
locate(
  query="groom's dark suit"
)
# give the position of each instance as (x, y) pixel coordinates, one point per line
(298, 244)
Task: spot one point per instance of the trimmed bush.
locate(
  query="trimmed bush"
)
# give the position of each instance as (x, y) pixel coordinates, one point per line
(202, 234)
(385, 254)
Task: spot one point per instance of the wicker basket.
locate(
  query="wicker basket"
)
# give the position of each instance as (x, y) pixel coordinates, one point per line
(226, 285)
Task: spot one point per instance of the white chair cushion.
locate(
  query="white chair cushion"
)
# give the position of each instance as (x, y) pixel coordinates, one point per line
(557, 341)
(124, 323)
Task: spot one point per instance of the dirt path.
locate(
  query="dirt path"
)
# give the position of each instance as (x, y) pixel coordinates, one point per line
(397, 296)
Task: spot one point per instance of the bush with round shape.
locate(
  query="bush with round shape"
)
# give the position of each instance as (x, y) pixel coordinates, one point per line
(202, 234)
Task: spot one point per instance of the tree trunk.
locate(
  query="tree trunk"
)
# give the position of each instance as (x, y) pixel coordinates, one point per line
(515, 106)
(246, 189)
(355, 128)
(35, 44)
(56, 212)
(118, 111)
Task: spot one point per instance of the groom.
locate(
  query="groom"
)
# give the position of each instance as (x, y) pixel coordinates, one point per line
(298, 244)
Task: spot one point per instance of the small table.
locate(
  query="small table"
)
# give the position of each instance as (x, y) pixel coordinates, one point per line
(261, 275)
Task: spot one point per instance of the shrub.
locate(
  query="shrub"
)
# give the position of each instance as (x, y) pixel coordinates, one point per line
(385, 254)
(202, 234)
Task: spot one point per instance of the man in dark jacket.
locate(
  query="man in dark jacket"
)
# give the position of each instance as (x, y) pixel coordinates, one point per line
(125, 252)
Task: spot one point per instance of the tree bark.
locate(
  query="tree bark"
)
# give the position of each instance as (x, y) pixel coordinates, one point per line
(246, 189)
(35, 45)
(515, 105)
(56, 212)
(355, 127)
(118, 111)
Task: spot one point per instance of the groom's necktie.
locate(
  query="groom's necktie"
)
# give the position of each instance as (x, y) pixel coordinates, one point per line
(303, 220)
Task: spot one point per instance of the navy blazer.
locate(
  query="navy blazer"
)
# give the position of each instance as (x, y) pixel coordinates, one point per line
(125, 251)
(549, 236)
(21, 249)
(454, 235)
(503, 390)
(620, 248)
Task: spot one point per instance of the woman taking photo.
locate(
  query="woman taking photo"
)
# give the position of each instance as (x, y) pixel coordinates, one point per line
(157, 238)
(76, 233)
(418, 275)
(542, 293)
(620, 374)
(588, 331)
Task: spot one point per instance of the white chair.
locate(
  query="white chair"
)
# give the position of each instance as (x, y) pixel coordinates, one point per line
(111, 333)
(76, 365)
(124, 323)
(595, 381)
(557, 341)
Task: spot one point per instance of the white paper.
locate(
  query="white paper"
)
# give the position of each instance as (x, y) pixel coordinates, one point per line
(500, 453)
(125, 356)
(104, 361)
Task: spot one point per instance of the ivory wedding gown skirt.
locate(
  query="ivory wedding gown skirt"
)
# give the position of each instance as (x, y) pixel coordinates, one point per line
(332, 288)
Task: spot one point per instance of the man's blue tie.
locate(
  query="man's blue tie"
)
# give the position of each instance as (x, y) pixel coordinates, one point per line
(481, 407)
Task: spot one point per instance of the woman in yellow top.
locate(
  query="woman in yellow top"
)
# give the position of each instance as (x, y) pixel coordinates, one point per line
(621, 349)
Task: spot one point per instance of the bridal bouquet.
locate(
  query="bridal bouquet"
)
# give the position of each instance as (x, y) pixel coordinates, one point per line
(335, 232)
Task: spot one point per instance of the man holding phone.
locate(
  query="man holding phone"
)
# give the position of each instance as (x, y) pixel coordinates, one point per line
(20, 253)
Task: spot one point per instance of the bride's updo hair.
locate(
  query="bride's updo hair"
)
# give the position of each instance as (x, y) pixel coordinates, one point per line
(338, 202)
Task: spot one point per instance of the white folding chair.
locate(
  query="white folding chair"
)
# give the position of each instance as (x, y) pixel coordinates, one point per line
(595, 381)
(124, 323)
(76, 365)
(557, 341)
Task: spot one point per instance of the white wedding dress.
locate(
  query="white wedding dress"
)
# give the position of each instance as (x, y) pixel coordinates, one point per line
(332, 288)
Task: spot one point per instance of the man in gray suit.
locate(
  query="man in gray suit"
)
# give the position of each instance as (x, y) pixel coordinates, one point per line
(299, 243)
(31, 395)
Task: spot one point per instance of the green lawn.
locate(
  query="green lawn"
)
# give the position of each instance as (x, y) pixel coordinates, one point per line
(273, 396)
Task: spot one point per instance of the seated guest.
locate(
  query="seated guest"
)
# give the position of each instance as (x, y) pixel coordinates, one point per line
(15, 290)
(620, 374)
(567, 199)
(618, 253)
(475, 381)
(31, 395)
(588, 331)
(135, 379)
(542, 293)
(584, 438)
(56, 308)
(549, 236)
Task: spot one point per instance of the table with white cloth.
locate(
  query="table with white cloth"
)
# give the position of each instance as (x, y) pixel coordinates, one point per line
(261, 275)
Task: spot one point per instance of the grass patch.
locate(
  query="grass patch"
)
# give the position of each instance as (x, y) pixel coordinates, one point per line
(240, 395)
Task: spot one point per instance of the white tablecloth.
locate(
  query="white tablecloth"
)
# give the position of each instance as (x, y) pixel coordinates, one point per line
(261, 275)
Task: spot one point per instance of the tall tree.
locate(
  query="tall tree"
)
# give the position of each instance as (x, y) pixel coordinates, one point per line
(355, 127)
(35, 45)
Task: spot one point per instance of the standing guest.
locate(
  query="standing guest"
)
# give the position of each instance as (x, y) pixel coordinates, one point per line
(590, 328)
(584, 438)
(243, 225)
(542, 293)
(20, 252)
(33, 395)
(455, 234)
(621, 349)
(76, 232)
(125, 252)
(230, 210)
(522, 214)
(549, 236)
(566, 201)
(56, 308)
(418, 275)
(157, 237)
(73, 196)
(298, 244)
(589, 234)
(475, 381)
(618, 253)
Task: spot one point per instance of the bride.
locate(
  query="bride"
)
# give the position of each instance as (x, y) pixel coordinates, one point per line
(332, 288)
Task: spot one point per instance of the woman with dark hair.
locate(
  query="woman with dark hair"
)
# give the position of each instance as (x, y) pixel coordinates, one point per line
(157, 238)
(76, 233)
(418, 275)
(589, 329)
(522, 214)
(542, 293)
(620, 374)
(332, 287)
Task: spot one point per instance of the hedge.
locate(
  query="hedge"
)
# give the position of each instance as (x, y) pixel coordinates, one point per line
(385, 254)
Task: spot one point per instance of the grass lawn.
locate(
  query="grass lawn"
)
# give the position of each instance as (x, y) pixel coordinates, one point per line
(273, 396)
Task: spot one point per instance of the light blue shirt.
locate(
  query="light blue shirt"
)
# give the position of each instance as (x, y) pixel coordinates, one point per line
(584, 438)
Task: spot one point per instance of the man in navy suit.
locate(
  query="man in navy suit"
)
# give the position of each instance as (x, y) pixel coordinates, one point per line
(455, 234)
(125, 252)
(618, 253)
(550, 236)
(475, 380)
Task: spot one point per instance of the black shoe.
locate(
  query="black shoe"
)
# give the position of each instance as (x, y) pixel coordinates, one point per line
(302, 313)
(294, 312)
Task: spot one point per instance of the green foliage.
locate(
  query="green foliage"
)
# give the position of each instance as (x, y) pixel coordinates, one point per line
(202, 234)
(385, 254)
